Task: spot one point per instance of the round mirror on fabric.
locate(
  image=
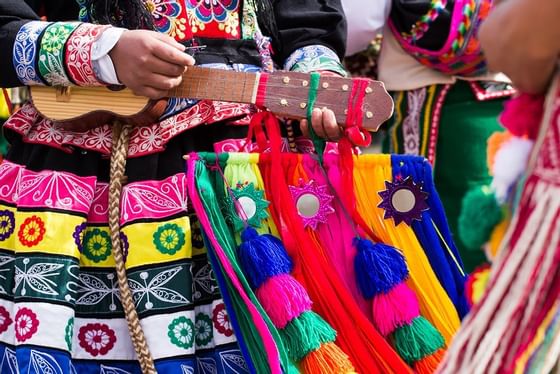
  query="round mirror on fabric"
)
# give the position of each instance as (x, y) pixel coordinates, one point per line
(308, 205)
(248, 205)
(403, 200)
(313, 202)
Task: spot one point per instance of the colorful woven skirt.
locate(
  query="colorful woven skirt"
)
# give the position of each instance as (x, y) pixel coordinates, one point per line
(60, 309)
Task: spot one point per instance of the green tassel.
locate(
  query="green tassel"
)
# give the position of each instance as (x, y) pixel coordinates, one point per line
(480, 213)
(415, 341)
(305, 334)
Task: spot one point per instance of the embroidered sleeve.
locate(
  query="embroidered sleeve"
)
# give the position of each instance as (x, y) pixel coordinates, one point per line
(314, 58)
(56, 53)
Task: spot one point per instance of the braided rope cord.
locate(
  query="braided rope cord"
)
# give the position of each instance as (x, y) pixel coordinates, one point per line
(121, 134)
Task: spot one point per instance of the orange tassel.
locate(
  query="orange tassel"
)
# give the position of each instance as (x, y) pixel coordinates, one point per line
(429, 364)
(329, 358)
(494, 143)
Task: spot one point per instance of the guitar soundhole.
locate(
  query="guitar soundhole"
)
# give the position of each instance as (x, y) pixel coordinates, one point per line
(116, 87)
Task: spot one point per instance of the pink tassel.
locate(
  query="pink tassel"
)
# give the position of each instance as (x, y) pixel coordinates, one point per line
(393, 309)
(283, 298)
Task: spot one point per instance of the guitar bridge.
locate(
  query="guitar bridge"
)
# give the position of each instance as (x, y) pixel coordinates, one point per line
(63, 94)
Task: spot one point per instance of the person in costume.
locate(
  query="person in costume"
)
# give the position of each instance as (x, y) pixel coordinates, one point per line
(443, 115)
(60, 309)
(514, 328)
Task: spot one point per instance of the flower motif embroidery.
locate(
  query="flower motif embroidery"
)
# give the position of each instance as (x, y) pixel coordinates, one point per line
(26, 324)
(78, 235)
(69, 333)
(169, 238)
(7, 224)
(32, 231)
(5, 320)
(181, 332)
(97, 245)
(54, 39)
(97, 338)
(207, 10)
(166, 14)
(221, 320)
(204, 332)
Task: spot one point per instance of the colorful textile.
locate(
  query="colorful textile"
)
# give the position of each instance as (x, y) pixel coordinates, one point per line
(51, 59)
(370, 174)
(524, 285)
(314, 58)
(448, 126)
(26, 52)
(78, 55)
(461, 53)
(433, 231)
(59, 298)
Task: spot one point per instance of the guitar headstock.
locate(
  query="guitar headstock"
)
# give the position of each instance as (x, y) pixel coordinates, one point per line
(287, 94)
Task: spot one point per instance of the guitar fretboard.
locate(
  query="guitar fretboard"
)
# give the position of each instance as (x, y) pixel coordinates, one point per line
(219, 85)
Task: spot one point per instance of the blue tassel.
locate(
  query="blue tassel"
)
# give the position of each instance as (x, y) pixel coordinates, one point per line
(378, 267)
(262, 256)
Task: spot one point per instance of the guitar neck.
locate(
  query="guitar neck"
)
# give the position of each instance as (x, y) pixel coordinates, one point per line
(218, 85)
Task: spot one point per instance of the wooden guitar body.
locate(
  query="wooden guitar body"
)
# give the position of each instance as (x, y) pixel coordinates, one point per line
(82, 108)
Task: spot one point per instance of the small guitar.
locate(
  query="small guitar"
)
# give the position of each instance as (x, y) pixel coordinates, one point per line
(283, 93)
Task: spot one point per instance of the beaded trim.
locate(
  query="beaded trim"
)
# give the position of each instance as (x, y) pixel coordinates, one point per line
(78, 54)
(51, 53)
(25, 52)
(422, 25)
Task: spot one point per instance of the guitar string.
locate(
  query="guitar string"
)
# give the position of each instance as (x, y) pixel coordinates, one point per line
(199, 80)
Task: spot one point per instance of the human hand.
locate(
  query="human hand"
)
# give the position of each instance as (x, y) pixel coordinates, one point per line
(149, 63)
(323, 121)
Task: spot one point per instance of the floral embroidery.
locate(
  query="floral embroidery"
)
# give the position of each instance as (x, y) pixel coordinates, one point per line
(32, 231)
(69, 333)
(79, 65)
(26, 324)
(97, 338)
(78, 235)
(314, 58)
(231, 24)
(168, 17)
(5, 320)
(97, 245)
(205, 12)
(169, 238)
(204, 332)
(25, 52)
(181, 332)
(7, 224)
(221, 320)
(51, 52)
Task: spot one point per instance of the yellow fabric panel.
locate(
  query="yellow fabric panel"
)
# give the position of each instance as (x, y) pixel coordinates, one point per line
(370, 174)
(47, 232)
(142, 239)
